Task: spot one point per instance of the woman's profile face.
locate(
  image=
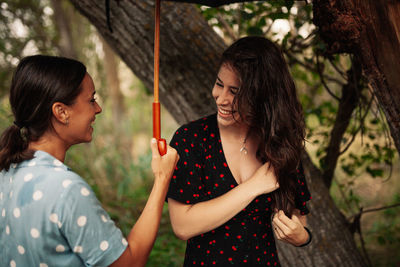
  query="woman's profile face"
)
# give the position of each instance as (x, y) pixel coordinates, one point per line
(224, 91)
(82, 113)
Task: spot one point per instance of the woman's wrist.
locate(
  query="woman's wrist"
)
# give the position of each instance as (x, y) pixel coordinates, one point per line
(309, 238)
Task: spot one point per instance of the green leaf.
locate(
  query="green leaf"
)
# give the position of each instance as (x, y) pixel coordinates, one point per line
(374, 172)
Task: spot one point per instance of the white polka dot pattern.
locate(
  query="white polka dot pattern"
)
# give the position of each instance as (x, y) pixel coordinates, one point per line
(85, 192)
(37, 195)
(104, 245)
(35, 233)
(53, 218)
(49, 199)
(17, 213)
(56, 162)
(21, 250)
(66, 183)
(78, 249)
(81, 221)
(60, 248)
(28, 177)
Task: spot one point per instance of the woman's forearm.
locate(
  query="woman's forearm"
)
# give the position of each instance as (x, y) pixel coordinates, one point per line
(191, 220)
(143, 234)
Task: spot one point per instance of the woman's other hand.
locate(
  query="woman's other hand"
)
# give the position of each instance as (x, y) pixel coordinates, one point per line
(163, 166)
(290, 230)
(264, 179)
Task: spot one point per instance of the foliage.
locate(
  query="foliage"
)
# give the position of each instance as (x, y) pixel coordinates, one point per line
(366, 149)
(25, 28)
(122, 180)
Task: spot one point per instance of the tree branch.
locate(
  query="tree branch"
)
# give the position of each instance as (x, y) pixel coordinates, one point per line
(321, 76)
(348, 102)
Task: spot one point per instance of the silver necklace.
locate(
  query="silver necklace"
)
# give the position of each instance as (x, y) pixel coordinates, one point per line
(243, 149)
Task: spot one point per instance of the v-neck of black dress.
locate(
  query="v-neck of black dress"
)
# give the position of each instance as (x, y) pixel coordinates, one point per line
(202, 173)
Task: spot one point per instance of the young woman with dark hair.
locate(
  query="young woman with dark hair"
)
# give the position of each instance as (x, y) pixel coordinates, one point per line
(49, 214)
(241, 167)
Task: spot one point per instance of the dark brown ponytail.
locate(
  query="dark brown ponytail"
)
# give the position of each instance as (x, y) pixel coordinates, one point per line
(38, 82)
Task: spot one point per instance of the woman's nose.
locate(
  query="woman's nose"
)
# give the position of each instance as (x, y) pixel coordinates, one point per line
(98, 108)
(224, 97)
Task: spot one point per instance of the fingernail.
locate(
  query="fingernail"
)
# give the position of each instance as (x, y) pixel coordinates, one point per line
(153, 140)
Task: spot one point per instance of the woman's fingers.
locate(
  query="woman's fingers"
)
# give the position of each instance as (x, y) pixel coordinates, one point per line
(287, 229)
(280, 224)
(154, 148)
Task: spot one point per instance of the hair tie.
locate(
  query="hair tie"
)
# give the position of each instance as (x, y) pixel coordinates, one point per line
(19, 125)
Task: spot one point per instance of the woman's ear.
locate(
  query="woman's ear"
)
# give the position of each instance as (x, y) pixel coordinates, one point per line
(60, 112)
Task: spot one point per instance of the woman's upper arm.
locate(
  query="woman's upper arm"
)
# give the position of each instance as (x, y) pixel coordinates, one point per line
(124, 260)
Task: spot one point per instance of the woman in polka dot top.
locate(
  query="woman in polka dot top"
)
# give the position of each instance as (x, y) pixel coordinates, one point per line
(239, 181)
(49, 214)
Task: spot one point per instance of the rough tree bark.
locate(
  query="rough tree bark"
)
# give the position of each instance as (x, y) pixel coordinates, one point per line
(190, 50)
(369, 29)
(62, 22)
(349, 100)
(188, 47)
(113, 84)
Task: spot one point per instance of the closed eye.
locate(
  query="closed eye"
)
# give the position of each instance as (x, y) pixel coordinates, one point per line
(234, 90)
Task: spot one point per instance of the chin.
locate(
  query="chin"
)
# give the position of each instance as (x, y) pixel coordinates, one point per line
(225, 121)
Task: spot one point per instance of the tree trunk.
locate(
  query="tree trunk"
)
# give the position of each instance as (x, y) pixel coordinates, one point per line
(189, 50)
(370, 29)
(62, 21)
(113, 84)
(333, 243)
(189, 57)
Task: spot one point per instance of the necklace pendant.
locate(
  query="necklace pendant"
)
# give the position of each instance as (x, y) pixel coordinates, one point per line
(243, 150)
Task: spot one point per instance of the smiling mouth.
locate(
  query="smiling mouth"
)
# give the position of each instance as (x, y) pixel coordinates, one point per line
(225, 112)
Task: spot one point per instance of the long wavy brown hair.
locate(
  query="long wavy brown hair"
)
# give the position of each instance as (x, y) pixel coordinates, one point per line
(267, 102)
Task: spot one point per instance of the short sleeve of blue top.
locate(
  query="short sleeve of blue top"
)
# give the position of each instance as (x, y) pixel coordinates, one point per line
(51, 217)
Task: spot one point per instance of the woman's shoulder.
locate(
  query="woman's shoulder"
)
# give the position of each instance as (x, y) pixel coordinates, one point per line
(45, 169)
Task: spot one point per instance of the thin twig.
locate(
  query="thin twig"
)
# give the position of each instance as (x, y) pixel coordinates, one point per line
(374, 209)
(321, 76)
(343, 74)
(228, 29)
(310, 67)
(359, 127)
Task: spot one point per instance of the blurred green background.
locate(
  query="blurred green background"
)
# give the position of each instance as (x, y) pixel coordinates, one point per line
(117, 162)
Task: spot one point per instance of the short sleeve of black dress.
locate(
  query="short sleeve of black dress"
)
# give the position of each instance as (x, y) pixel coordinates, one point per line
(302, 192)
(186, 185)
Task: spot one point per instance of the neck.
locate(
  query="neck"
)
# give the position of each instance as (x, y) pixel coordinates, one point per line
(51, 144)
(234, 132)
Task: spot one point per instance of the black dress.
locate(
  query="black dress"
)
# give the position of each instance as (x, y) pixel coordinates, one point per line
(202, 174)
